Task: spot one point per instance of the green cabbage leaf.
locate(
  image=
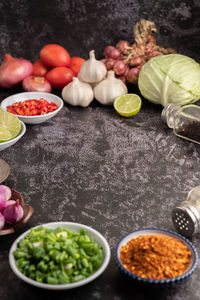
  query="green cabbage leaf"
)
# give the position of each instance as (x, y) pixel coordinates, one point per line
(172, 78)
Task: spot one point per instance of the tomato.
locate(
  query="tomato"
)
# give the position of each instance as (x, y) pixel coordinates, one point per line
(39, 69)
(60, 76)
(53, 55)
(76, 63)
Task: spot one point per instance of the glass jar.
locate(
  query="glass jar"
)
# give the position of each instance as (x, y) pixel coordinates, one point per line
(186, 216)
(185, 120)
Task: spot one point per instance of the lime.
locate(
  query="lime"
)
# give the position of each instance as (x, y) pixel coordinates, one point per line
(128, 105)
(9, 125)
(5, 134)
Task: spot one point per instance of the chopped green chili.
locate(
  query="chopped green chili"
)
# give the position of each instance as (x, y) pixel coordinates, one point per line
(57, 256)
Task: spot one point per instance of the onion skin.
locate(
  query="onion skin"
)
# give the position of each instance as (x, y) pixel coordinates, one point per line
(14, 70)
(36, 84)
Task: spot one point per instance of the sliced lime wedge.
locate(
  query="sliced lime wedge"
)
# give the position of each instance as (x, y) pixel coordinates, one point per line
(9, 125)
(128, 105)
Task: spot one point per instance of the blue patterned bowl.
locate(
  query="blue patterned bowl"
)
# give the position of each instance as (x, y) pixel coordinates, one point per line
(162, 232)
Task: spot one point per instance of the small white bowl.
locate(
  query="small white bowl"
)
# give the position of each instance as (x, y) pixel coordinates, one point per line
(9, 143)
(162, 232)
(75, 227)
(33, 95)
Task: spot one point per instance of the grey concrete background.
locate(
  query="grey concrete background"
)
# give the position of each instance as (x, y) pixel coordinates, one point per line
(91, 165)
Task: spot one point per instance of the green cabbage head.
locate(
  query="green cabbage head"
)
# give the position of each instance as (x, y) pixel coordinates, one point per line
(171, 78)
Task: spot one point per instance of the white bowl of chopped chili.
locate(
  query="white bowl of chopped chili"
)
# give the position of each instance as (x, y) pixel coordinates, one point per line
(33, 107)
(156, 256)
(66, 256)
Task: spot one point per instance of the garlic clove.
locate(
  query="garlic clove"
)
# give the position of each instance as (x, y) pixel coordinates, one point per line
(78, 93)
(109, 89)
(92, 70)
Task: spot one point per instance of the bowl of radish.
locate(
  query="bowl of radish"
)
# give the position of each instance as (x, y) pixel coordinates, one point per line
(33, 107)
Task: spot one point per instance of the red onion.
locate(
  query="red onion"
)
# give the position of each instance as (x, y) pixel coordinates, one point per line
(140, 67)
(36, 84)
(109, 63)
(123, 46)
(120, 67)
(5, 189)
(2, 221)
(9, 202)
(14, 70)
(107, 51)
(135, 61)
(103, 60)
(115, 53)
(3, 201)
(132, 75)
(148, 48)
(13, 213)
(122, 78)
(154, 53)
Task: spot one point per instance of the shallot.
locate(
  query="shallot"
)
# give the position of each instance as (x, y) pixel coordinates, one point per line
(9, 202)
(115, 53)
(3, 201)
(120, 67)
(13, 213)
(36, 84)
(14, 70)
(5, 189)
(2, 221)
(109, 63)
(123, 46)
(108, 50)
(132, 75)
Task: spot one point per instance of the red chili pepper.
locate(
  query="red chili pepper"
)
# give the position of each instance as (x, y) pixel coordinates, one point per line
(32, 107)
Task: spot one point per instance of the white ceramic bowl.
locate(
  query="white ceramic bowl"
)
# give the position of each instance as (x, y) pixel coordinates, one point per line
(154, 231)
(9, 143)
(33, 95)
(75, 227)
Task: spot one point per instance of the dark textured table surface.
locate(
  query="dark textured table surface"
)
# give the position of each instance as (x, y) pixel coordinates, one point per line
(90, 165)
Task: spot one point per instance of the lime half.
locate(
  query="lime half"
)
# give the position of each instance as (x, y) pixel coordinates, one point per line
(5, 135)
(9, 126)
(128, 105)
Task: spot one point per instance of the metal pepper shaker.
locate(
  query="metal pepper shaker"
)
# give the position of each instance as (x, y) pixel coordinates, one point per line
(186, 216)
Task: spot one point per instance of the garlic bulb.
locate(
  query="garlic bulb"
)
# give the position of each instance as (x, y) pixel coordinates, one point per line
(109, 89)
(92, 70)
(78, 93)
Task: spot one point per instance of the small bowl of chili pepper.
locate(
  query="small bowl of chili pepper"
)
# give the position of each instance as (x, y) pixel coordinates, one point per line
(33, 107)
(156, 256)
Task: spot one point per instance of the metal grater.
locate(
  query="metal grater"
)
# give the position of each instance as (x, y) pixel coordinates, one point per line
(186, 220)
